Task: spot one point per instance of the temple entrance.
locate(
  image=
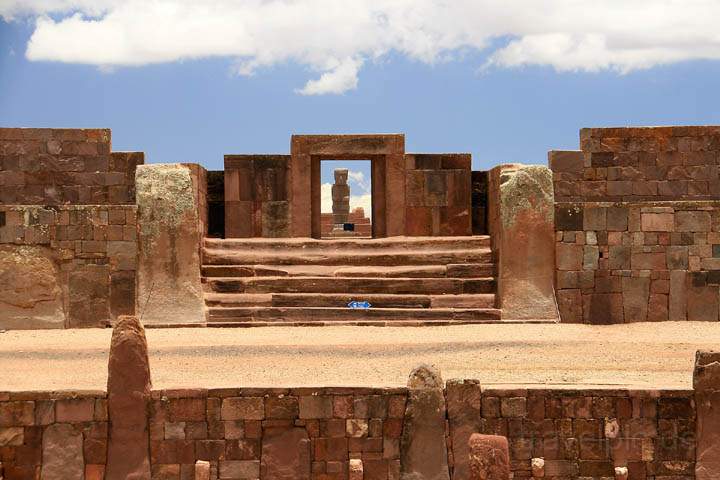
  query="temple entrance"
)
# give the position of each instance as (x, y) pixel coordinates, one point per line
(346, 199)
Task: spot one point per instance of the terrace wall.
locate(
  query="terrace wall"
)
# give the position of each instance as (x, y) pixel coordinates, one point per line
(68, 241)
(245, 433)
(637, 219)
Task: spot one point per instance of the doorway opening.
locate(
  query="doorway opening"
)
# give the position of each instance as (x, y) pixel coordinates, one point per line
(346, 198)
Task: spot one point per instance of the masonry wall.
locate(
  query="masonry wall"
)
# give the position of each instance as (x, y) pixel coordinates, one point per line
(438, 194)
(244, 433)
(256, 196)
(637, 219)
(68, 241)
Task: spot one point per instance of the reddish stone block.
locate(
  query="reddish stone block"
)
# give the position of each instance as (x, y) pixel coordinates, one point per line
(243, 408)
(17, 414)
(316, 406)
(186, 409)
(329, 449)
(281, 407)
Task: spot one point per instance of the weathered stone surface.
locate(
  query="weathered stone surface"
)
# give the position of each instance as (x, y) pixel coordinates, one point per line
(62, 453)
(128, 396)
(423, 449)
(706, 381)
(524, 235)
(169, 289)
(464, 398)
(489, 457)
(202, 470)
(30, 288)
(355, 469)
(285, 454)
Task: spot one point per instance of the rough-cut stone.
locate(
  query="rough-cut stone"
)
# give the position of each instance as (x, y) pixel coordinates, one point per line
(62, 453)
(706, 382)
(128, 397)
(526, 241)
(285, 454)
(169, 289)
(355, 469)
(423, 448)
(489, 457)
(464, 398)
(30, 291)
(202, 470)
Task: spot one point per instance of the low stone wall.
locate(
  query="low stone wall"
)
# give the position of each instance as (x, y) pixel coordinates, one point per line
(634, 262)
(66, 266)
(314, 432)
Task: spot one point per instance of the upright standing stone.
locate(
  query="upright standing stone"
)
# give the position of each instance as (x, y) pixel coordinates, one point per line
(62, 453)
(489, 457)
(128, 397)
(706, 381)
(522, 226)
(464, 398)
(423, 448)
(170, 232)
(340, 197)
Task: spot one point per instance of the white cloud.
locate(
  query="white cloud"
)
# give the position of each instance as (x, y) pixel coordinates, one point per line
(336, 38)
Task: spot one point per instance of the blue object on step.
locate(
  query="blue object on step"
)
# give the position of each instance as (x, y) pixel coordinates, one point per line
(359, 305)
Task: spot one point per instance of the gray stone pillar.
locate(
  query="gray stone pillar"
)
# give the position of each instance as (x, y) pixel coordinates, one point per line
(423, 448)
(128, 396)
(706, 381)
(170, 235)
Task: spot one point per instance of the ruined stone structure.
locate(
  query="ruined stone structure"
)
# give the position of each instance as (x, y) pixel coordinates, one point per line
(625, 230)
(336, 433)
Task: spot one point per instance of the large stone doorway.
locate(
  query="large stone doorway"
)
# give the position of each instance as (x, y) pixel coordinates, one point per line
(387, 156)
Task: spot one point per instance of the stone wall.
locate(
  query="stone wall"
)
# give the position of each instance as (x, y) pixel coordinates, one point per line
(66, 266)
(637, 225)
(64, 166)
(256, 196)
(315, 432)
(635, 262)
(438, 194)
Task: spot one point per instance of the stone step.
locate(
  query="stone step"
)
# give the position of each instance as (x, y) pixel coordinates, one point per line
(463, 270)
(351, 244)
(357, 258)
(427, 286)
(341, 300)
(310, 315)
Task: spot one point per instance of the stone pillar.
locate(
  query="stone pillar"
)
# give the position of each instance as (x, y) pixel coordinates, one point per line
(706, 382)
(340, 198)
(521, 211)
(464, 398)
(170, 236)
(423, 448)
(489, 457)
(128, 397)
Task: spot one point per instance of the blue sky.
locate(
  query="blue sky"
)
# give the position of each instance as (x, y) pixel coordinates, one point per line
(197, 109)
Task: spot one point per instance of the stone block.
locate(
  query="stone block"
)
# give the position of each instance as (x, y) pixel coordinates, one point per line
(570, 218)
(89, 292)
(594, 218)
(702, 302)
(315, 406)
(657, 222)
(62, 453)
(566, 161)
(635, 292)
(617, 219)
(285, 455)
(243, 408)
(692, 221)
(603, 308)
(30, 288)
(464, 399)
(570, 306)
(239, 469)
(275, 219)
(569, 256)
(122, 293)
(489, 457)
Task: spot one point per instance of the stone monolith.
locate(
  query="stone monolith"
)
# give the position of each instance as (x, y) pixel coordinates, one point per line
(423, 448)
(706, 381)
(489, 457)
(128, 397)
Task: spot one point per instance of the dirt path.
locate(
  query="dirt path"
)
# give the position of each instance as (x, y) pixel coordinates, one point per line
(657, 355)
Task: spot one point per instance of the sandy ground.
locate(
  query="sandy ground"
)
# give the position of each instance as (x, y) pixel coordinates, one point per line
(655, 355)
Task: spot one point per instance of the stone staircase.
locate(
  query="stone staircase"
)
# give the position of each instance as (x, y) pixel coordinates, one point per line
(407, 281)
